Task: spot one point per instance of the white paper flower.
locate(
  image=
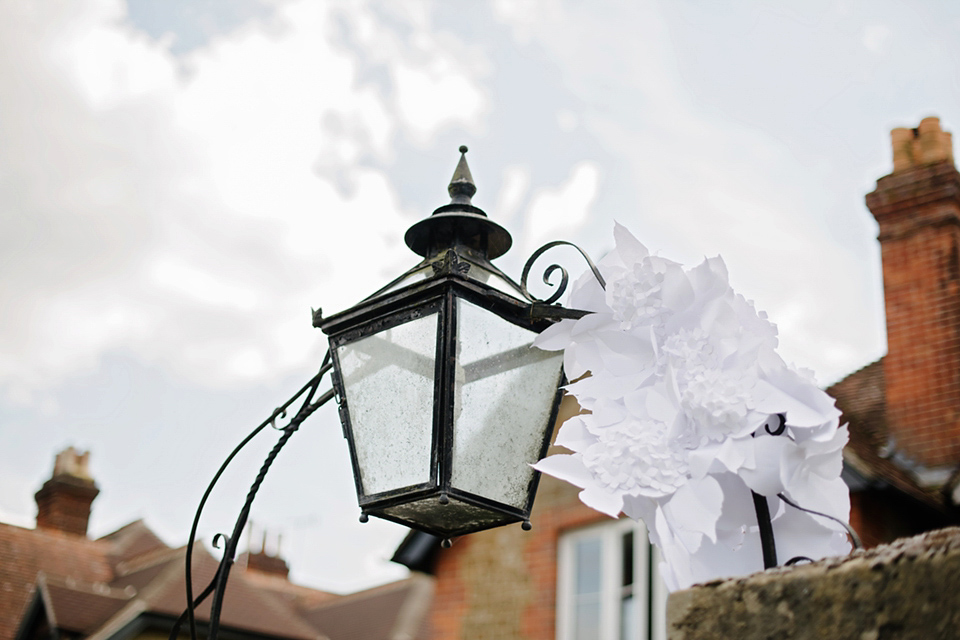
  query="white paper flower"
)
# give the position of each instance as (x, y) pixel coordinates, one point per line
(688, 412)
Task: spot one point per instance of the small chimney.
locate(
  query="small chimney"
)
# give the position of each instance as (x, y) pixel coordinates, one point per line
(917, 208)
(263, 562)
(63, 503)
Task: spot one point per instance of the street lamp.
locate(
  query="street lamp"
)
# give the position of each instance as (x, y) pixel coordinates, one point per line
(444, 402)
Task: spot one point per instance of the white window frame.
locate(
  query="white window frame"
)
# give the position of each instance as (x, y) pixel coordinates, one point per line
(649, 591)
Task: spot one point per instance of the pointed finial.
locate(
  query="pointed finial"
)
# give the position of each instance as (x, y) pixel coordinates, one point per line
(461, 187)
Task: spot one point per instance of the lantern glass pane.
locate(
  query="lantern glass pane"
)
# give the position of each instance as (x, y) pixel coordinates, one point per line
(388, 384)
(503, 397)
(493, 280)
(411, 278)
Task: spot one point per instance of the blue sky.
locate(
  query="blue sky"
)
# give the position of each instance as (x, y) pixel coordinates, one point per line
(181, 182)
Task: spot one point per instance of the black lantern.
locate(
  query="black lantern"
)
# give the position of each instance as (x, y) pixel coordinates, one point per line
(444, 402)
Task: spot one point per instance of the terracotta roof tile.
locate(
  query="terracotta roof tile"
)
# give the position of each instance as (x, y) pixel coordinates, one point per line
(26, 552)
(96, 587)
(861, 398)
(160, 586)
(303, 598)
(133, 540)
(81, 608)
(381, 613)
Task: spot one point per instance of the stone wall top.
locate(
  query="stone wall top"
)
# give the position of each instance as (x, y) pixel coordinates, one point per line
(907, 589)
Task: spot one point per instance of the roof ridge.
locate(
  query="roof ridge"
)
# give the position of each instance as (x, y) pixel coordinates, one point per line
(138, 521)
(119, 620)
(92, 588)
(138, 605)
(415, 606)
(46, 599)
(388, 587)
(272, 600)
(146, 560)
(855, 372)
(60, 536)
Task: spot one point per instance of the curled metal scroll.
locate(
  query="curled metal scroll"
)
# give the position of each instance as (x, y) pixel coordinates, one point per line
(857, 544)
(553, 268)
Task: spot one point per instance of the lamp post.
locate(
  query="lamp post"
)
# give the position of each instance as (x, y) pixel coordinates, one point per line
(444, 402)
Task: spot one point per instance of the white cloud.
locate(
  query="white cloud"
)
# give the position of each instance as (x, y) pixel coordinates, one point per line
(875, 38)
(558, 213)
(700, 183)
(187, 210)
(516, 185)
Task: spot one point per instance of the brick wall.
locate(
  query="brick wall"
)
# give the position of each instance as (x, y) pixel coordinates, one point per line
(918, 210)
(63, 504)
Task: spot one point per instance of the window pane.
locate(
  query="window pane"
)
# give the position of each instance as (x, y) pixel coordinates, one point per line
(388, 383)
(587, 566)
(609, 587)
(588, 619)
(628, 613)
(504, 393)
(587, 586)
(627, 560)
(628, 619)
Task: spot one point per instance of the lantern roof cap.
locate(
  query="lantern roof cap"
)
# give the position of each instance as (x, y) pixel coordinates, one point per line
(459, 223)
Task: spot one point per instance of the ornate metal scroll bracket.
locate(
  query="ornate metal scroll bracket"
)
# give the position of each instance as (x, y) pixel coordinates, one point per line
(553, 268)
(310, 403)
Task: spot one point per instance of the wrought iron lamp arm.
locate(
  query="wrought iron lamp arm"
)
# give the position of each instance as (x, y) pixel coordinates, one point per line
(218, 583)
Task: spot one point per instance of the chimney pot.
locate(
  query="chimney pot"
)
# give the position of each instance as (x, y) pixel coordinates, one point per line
(925, 145)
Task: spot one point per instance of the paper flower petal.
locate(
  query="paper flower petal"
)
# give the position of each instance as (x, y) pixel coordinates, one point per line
(682, 417)
(567, 467)
(602, 501)
(573, 435)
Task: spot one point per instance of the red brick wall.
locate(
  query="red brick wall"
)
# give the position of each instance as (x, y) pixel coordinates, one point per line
(63, 503)
(918, 210)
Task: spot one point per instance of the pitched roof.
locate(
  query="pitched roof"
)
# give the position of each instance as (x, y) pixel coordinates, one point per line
(298, 596)
(98, 588)
(160, 589)
(391, 612)
(80, 607)
(24, 553)
(132, 540)
(861, 397)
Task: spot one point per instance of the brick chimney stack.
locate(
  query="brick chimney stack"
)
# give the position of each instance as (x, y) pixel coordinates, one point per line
(63, 503)
(918, 211)
(264, 562)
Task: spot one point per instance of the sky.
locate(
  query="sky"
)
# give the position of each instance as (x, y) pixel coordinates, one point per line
(181, 181)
